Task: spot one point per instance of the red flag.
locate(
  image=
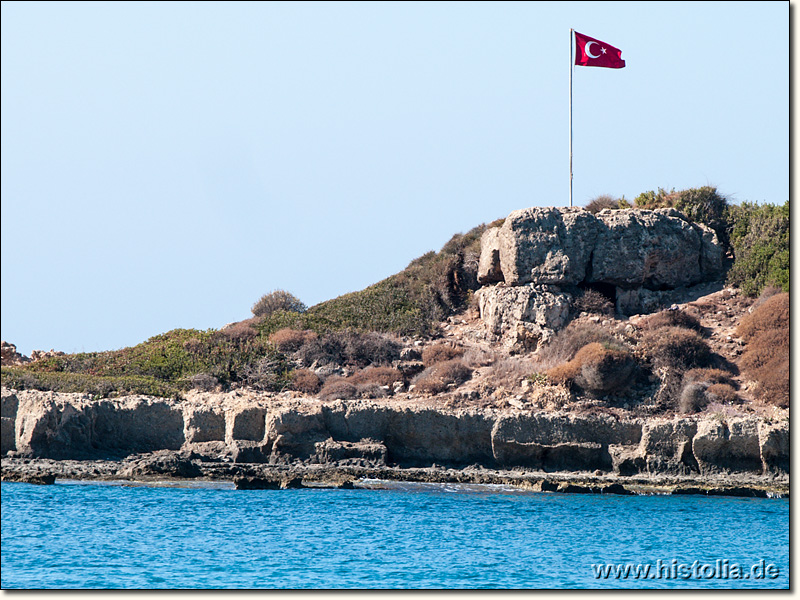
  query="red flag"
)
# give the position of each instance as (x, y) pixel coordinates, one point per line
(590, 52)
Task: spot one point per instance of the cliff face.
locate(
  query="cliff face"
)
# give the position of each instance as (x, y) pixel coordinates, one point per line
(263, 429)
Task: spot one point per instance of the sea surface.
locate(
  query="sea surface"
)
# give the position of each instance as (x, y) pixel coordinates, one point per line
(385, 535)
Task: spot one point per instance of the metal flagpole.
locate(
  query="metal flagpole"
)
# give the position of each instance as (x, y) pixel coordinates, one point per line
(570, 113)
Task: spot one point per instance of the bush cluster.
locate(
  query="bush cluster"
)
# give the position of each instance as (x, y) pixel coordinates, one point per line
(566, 343)
(760, 239)
(278, 300)
(349, 348)
(766, 355)
(291, 340)
(164, 364)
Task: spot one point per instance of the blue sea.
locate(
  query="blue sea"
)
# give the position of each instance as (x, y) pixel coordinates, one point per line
(386, 535)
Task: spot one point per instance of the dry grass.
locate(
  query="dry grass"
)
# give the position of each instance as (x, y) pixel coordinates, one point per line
(602, 202)
(510, 372)
(770, 315)
(479, 357)
(722, 392)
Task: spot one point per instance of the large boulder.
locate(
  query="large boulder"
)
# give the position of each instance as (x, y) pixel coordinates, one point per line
(546, 245)
(646, 249)
(631, 248)
(489, 269)
(503, 307)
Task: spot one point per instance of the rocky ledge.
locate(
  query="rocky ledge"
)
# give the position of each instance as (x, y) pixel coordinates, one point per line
(264, 440)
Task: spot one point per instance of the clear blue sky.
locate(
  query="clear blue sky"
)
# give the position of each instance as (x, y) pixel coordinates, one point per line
(166, 164)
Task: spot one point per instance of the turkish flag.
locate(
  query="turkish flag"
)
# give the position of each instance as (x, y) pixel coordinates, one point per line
(590, 52)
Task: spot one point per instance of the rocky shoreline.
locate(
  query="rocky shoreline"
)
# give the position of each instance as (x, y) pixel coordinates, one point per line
(270, 441)
(181, 468)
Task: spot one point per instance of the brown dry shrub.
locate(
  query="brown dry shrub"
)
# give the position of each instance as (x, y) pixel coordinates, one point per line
(290, 340)
(337, 388)
(436, 378)
(676, 350)
(593, 302)
(765, 359)
(377, 375)
(771, 315)
(306, 381)
(243, 330)
(566, 343)
(440, 353)
(722, 392)
(670, 318)
(602, 369)
(563, 374)
(602, 202)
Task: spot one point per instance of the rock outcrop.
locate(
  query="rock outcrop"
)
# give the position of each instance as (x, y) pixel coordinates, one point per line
(534, 263)
(262, 429)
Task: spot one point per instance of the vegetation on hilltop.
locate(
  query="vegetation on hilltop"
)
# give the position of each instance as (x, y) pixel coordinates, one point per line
(285, 343)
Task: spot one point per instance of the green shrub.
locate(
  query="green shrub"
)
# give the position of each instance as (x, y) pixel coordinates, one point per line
(101, 386)
(760, 239)
(275, 301)
(172, 359)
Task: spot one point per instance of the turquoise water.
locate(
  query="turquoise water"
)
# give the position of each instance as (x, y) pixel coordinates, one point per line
(91, 535)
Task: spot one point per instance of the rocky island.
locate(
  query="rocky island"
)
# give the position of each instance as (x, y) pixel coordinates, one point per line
(574, 351)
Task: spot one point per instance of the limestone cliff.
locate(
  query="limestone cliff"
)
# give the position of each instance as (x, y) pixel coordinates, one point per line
(263, 428)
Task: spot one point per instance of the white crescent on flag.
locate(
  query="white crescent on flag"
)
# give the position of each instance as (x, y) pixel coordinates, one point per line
(589, 51)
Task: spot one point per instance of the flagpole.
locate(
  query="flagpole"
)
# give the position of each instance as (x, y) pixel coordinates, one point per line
(570, 113)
